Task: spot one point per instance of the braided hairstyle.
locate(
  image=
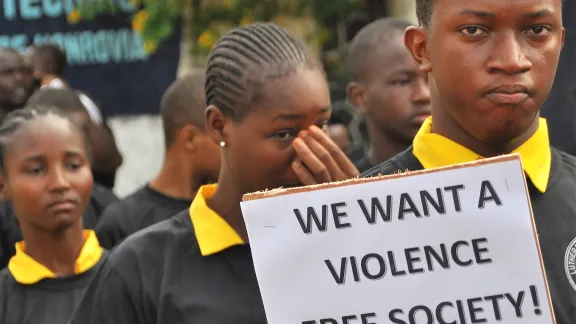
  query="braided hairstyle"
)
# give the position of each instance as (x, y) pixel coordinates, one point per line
(19, 118)
(245, 58)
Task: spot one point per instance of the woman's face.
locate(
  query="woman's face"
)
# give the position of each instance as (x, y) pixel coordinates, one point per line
(259, 151)
(47, 175)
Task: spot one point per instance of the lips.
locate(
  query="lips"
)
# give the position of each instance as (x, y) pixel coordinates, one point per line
(62, 205)
(508, 94)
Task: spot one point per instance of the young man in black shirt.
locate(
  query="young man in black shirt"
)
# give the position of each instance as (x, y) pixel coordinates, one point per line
(387, 88)
(192, 159)
(491, 65)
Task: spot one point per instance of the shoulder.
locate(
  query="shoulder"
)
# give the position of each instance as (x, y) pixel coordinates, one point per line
(103, 195)
(402, 162)
(120, 207)
(151, 246)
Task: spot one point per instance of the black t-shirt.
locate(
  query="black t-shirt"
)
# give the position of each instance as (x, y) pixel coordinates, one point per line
(141, 209)
(10, 233)
(50, 301)
(555, 217)
(159, 276)
(363, 164)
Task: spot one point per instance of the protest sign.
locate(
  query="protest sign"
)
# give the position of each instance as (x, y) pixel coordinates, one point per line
(454, 245)
(106, 57)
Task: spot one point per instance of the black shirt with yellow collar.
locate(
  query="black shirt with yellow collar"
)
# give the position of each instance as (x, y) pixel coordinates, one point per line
(31, 294)
(190, 268)
(551, 181)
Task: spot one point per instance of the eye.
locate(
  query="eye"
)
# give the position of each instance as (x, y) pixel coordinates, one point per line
(73, 165)
(34, 170)
(472, 31)
(539, 30)
(285, 135)
(402, 82)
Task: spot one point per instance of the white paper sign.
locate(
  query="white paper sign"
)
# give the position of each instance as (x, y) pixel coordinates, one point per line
(452, 246)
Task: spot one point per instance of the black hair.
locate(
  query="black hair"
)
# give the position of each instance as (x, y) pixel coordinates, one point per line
(48, 58)
(244, 58)
(363, 46)
(424, 11)
(183, 103)
(66, 100)
(17, 119)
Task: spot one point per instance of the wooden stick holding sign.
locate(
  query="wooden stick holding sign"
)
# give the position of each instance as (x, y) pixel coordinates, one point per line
(452, 245)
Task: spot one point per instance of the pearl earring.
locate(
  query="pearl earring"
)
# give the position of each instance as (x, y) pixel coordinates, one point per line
(222, 143)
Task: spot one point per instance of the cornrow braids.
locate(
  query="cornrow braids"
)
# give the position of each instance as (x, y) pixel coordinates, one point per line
(244, 58)
(19, 118)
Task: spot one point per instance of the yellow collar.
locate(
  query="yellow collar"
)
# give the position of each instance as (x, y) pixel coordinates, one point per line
(433, 151)
(28, 271)
(213, 233)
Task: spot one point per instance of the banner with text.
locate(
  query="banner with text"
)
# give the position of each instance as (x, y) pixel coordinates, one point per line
(106, 57)
(447, 246)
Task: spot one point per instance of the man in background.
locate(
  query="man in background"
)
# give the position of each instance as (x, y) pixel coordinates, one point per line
(387, 88)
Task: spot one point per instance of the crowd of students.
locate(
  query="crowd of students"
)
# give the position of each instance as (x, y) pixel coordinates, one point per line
(467, 83)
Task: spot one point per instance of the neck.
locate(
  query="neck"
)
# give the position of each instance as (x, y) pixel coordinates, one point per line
(177, 178)
(57, 251)
(382, 146)
(226, 203)
(446, 126)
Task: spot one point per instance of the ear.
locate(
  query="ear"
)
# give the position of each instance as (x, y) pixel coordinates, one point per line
(355, 95)
(216, 124)
(563, 36)
(416, 40)
(187, 136)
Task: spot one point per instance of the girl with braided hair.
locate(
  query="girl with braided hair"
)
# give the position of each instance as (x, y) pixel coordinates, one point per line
(45, 169)
(267, 103)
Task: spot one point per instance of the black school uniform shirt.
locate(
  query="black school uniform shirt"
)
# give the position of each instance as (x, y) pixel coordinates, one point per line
(141, 209)
(10, 232)
(551, 176)
(190, 268)
(31, 294)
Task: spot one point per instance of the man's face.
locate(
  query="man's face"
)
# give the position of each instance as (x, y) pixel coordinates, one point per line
(397, 96)
(493, 63)
(15, 79)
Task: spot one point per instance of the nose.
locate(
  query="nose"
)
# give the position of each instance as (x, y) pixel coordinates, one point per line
(58, 180)
(421, 92)
(508, 55)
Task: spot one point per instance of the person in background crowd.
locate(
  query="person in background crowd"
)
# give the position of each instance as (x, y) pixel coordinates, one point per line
(339, 134)
(191, 160)
(387, 88)
(339, 126)
(103, 147)
(44, 164)
(268, 101)
(491, 66)
(16, 82)
(48, 62)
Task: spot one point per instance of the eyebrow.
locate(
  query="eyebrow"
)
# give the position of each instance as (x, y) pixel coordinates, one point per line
(39, 157)
(478, 13)
(539, 13)
(299, 116)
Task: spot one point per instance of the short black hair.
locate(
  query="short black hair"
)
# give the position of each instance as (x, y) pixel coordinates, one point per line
(183, 103)
(424, 11)
(48, 58)
(16, 119)
(244, 58)
(363, 45)
(65, 99)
